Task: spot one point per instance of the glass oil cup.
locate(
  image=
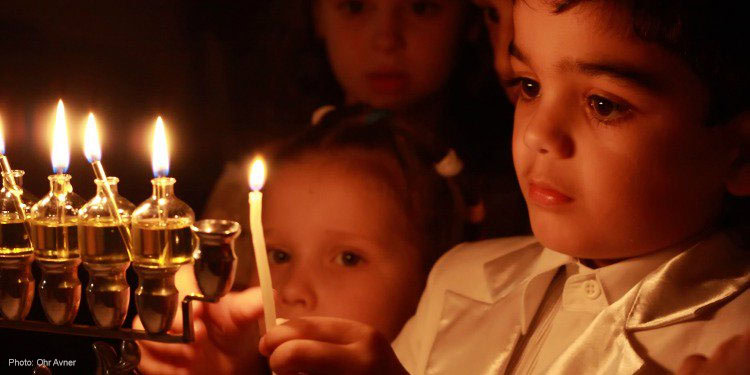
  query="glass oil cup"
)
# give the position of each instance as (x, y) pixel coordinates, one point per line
(54, 234)
(105, 255)
(16, 253)
(215, 259)
(162, 242)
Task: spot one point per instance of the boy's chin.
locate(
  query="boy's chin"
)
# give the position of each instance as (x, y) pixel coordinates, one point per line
(577, 242)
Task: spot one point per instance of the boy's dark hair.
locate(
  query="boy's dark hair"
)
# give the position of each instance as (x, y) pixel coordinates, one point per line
(710, 37)
(432, 202)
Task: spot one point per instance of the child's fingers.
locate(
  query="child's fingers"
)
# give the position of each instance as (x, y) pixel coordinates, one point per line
(156, 368)
(731, 357)
(156, 354)
(178, 355)
(692, 364)
(185, 282)
(137, 323)
(326, 329)
(234, 314)
(312, 357)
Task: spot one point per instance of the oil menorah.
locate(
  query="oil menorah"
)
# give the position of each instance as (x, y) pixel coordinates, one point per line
(60, 232)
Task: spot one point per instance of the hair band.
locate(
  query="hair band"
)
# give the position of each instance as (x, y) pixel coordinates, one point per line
(321, 112)
(450, 165)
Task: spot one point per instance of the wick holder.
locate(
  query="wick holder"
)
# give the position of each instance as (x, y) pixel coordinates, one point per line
(215, 259)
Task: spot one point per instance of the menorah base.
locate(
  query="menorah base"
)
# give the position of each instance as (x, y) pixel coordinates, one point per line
(108, 363)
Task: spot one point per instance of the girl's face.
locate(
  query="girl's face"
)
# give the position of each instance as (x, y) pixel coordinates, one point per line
(390, 53)
(340, 244)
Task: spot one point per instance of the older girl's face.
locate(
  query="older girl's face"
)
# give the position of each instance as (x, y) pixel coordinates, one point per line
(340, 244)
(390, 53)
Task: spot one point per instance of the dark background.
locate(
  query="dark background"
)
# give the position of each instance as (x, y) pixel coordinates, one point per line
(203, 66)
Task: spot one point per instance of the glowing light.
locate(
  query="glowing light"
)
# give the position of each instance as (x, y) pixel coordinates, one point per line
(91, 146)
(159, 154)
(257, 174)
(60, 147)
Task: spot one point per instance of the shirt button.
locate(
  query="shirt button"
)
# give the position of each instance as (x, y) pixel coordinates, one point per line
(591, 289)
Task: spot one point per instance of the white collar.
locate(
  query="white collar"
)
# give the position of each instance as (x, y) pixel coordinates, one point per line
(616, 279)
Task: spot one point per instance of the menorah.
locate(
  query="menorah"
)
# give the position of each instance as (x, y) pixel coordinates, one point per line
(108, 294)
(108, 234)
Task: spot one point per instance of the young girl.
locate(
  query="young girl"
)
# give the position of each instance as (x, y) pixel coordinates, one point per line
(356, 211)
(427, 61)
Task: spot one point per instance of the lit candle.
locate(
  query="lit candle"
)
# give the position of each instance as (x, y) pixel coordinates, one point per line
(257, 177)
(93, 151)
(159, 153)
(160, 167)
(60, 162)
(15, 190)
(60, 147)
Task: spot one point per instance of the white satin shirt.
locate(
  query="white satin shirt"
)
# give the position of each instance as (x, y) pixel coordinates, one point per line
(484, 312)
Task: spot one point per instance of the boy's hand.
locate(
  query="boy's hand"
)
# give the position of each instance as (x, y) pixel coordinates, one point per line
(323, 345)
(731, 357)
(226, 337)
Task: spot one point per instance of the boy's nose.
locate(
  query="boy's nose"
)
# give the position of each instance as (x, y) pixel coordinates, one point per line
(388, 33)
(297, 292)
(546, 133)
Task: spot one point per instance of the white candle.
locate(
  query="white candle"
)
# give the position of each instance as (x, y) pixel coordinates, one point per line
(257, 177)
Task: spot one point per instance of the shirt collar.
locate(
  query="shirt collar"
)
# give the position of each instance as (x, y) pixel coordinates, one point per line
(616, 279)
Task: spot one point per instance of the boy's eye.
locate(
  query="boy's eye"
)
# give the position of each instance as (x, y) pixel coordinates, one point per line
(278, 256)
(348, 259)
(491, 15)
(352, 6)
(606, 110)
(529, 88)
(424, 7)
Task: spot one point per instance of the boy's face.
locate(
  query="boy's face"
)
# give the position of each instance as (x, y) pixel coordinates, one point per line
(609, 142)
(340, 244)
(390, 53)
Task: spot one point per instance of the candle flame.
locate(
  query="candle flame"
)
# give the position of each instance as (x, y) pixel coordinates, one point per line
(159, 154)
(91, 146)
(60, 147)
(2, 138)
(257, 175)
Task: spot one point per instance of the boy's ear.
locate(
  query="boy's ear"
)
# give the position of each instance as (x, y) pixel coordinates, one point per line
(738, 181)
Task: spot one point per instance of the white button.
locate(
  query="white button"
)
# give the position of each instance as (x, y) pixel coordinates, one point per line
(591, 289)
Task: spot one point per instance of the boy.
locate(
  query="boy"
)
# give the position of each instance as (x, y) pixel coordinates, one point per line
(630, 131)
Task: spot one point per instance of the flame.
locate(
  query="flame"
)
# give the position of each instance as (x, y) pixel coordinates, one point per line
(60, 148)
(159, 154)
(257, 175)
(2, 138)
(91, 146)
